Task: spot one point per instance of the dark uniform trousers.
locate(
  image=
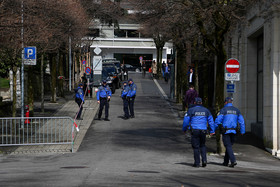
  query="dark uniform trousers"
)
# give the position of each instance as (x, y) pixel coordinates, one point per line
(198, 144)
(103, 102)
(79, 102)
(125, 107)
(228, 140)
(131, 105)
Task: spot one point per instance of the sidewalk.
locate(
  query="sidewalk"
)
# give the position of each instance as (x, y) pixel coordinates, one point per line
(63, 107)
(248, 148)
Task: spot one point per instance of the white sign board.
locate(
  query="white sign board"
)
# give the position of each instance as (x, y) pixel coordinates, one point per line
(97, 72)
(29, 56)
(232, 76)
(97, 50)
(97, 63)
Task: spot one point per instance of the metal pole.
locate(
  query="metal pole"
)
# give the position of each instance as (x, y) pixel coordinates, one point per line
(22, 65)
(70, 63)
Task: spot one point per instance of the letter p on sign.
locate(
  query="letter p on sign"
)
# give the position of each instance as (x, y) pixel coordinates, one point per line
(29, 56)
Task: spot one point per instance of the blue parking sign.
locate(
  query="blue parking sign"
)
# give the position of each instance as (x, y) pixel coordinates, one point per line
(230, 88)
(30, 56)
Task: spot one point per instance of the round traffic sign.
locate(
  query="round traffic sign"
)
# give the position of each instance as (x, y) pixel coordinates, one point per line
(88, 70)
(84, 62)
(232, 65)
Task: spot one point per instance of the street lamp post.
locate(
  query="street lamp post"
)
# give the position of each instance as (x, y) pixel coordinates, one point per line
(22, 64)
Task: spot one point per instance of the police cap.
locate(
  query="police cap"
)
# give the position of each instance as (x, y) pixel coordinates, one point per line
(198, 100)
(104, 81)
(80, 84)
(228, 99)
(130, 80)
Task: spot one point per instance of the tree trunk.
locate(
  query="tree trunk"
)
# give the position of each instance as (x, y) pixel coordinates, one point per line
(14, 105)
(219, 102)
(159, 61)
(182, 80)
(53, 77)
(61, 80)
(30, 91)
(42, 84)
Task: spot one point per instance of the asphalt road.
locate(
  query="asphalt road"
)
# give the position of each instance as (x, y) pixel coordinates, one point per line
(149, 150)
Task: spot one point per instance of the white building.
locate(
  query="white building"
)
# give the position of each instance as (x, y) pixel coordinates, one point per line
(257, 46)
(126, 44)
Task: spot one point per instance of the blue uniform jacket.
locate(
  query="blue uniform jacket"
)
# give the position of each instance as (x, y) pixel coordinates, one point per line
(197, 118)
(125, 91)
(228, 117)
(132, 90)
(103, 92)
(79, 93)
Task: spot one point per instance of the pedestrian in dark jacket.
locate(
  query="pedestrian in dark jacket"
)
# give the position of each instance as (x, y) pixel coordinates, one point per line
(79, 99)
(125, 100)
(190, 96)
(196, 120)
(103, 97)
(131, 96)
(228, 118)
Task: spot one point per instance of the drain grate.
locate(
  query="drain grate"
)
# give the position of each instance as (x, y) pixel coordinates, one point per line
(141, 171)
(74, 167)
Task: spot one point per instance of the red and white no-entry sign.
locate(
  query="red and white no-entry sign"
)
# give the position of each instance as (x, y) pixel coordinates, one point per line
(232, 65)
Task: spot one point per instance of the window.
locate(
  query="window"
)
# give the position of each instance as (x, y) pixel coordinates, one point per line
(122, 33)
(93, 33)
(132, 33)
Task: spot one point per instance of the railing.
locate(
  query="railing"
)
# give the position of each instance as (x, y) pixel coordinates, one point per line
(37, 131)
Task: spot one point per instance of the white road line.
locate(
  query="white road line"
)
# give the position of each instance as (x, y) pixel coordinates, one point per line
(160, 89)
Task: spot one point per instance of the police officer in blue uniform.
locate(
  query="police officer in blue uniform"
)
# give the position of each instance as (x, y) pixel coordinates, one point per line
(103, 96)
(131, 96)
(79, 99)
(196, 119)
(125, 100)
(228, 118)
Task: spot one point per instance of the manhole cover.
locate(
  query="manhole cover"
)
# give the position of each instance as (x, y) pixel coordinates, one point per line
(74, 167)
(138, 171)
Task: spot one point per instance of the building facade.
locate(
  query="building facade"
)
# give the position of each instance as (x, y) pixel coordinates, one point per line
(126, 44)
(256, 43)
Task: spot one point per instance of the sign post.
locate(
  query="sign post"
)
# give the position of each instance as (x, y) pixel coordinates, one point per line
(232, 66)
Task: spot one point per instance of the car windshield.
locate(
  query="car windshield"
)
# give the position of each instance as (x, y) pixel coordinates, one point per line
(117, 64)
(107, 70)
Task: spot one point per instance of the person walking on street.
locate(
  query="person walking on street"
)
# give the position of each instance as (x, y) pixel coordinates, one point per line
(154, 69)
(144, 69)
(190, 96)
(163, 65)
(191, 77)
(228, 118)
(131, 96)
(125, 73)
(103, 96)
(79, 99)
(166, 72)
(196, 120)
(125, 100)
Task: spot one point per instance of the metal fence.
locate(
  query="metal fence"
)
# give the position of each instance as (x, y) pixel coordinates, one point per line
(37, 131)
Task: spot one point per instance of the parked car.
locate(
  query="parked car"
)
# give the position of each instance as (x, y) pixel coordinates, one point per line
(132, 68)
(116, 63)
(110, 74)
